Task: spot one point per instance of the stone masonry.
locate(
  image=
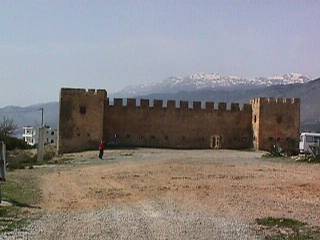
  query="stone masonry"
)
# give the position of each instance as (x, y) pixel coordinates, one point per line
(87, 117)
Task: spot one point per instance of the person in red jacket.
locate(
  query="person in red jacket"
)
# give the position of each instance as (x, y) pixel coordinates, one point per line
(101, 149)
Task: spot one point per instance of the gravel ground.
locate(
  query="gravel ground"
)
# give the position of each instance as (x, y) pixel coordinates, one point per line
(148, 220)
(171, 194)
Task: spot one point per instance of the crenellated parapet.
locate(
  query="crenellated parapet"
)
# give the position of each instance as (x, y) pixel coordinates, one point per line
(263, 100)
(83, 91)
(87, 117)
(209, 106)
(184, 105)
(144, 103)
(118, 102)
(131, 103)
(235, 107)
(222, 106)
(196, 106)
(157, 104)
(172, 105)
(246, 107)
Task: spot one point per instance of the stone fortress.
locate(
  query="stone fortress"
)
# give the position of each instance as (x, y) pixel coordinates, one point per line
(87, 117)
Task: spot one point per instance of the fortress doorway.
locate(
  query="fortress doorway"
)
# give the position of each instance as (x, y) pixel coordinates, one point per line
(215, 142)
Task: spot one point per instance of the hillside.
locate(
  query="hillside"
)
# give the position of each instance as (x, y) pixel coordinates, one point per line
(309, 93)
(31, 115)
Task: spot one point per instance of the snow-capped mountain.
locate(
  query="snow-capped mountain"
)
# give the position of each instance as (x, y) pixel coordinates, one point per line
(212, 81)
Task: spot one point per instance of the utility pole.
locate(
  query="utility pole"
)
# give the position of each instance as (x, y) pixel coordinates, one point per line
(41, 109)
(40, 150)
(2, 166)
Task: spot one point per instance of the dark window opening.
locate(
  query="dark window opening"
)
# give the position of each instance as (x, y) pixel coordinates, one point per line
(166, 137)
(255, 118)
(152, 137)
(128, 136)
(183, 138)
(309, 139)
(78, 134)
(52, 133)
(270, 139)
(278, 139)
(83, 109)
(52, 141)
(88, 134)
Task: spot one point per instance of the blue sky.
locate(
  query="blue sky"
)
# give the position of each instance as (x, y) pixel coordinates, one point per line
(45, 45)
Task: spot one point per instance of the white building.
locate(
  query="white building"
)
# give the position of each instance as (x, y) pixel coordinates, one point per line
(30, 135)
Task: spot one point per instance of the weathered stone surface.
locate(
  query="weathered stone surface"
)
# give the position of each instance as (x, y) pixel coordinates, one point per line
(276, 121)
(86, 117)
(81, 119)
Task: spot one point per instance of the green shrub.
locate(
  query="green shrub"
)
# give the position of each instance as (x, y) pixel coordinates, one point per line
(19, 159)
(15, 143)
(280, 222)
(287, 229)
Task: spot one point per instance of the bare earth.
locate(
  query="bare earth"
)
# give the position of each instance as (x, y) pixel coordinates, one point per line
(172, 194)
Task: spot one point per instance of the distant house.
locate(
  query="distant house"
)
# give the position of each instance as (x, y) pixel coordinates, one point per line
(51, 136)
(30, 135)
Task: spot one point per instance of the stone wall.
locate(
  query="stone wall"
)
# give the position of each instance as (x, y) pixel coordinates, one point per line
(81, 120)
(178, 127)
(276, 122)
(86, 117)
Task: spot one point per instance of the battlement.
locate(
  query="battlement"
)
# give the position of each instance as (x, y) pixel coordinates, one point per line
(131, 103)
(144, 103)
(118, 102)
(246, 107)
(263, 100)
(87, 116)
(184, 105)
(222, 106)
(83, 91)
(157, 104)
(171, 104)
(197, 106)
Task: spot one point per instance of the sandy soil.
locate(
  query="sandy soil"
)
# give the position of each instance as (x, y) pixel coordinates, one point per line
(158, 194)
(222, 182)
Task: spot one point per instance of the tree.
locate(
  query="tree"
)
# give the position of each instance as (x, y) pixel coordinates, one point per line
(7, 128)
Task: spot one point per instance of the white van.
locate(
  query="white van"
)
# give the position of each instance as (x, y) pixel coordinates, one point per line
(308, 139)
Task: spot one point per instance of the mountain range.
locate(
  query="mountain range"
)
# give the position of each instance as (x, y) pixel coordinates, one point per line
(200, 87)
(216, 81)
(308, 92)
(31, 115)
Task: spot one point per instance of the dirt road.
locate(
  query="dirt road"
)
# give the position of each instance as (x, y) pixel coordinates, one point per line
(173, 194)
